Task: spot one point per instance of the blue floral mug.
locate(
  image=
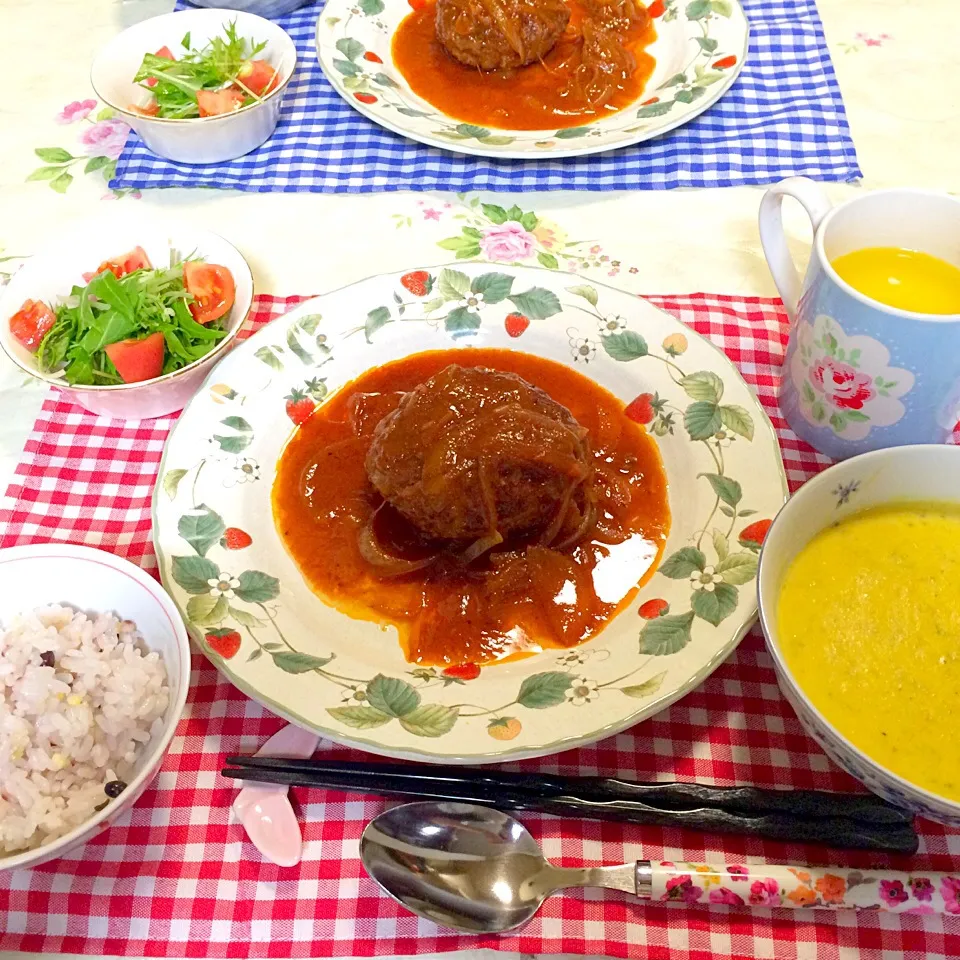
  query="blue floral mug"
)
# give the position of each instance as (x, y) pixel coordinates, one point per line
(859, 375)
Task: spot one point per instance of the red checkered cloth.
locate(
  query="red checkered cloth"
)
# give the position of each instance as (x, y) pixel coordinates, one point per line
(177, 878)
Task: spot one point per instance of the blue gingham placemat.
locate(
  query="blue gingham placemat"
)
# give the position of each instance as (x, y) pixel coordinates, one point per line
(783, 117)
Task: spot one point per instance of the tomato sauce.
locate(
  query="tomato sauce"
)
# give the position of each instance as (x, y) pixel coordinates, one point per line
(533, 97)
(519, 601)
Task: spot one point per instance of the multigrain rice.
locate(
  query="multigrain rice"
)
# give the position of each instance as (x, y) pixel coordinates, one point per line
(80, 698)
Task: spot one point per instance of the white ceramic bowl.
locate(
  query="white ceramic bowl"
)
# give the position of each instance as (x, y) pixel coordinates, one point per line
(896, 474)
(199, 139)
(95, 581)
(50, 274)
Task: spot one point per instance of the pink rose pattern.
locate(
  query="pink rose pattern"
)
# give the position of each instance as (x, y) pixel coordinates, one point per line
(101, 143)
(802, 888)
(78, 110)
(507, 242)
(726, 896)
(105, 138)
(950, 891)
(682, 888)
(765, 893)
(869, 41)
(892, 892)
(921, 888)
(842, 385)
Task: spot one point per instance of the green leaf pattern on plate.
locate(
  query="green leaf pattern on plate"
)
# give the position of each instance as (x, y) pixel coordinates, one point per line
(706, 29)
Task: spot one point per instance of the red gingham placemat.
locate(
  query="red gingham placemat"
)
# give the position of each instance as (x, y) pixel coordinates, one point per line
(176, 878)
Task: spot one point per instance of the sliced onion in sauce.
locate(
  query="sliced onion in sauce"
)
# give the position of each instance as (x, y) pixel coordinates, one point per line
(387, 564)
(480, 546)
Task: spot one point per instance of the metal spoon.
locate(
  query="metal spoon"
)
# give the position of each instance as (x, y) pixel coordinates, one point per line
(478, 870)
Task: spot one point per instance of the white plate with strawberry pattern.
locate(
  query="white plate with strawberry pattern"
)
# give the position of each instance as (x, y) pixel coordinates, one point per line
(248, 607)
(699, 51)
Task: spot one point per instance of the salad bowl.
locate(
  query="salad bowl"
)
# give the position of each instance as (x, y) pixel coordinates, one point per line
(50, 275)
(210, 139)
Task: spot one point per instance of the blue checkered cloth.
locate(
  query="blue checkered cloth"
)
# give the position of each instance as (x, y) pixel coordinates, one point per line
(783, 117)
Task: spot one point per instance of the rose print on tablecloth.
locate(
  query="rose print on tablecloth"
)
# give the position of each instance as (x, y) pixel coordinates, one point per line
(77, 110)
(105, 138)
(101, 141)
(844, 381)
(507, 241)
(511, 235)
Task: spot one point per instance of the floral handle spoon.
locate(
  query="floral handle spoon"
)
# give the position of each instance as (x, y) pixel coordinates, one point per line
(478, 870)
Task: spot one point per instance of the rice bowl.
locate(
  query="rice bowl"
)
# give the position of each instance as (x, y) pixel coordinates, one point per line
(89, 700)
(81, 698)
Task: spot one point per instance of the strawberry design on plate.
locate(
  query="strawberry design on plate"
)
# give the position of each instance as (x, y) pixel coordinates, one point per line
(645, 408)
(462, 671)
(418, 282)
(515, 324)
(653, 609)
(224, 642)
(753, 535)
(299, 406)
(235, 539)
(504, 728)
(640, 410)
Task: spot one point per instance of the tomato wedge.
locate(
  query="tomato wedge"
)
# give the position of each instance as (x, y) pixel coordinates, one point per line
(167, 54)
(212, 288)
(138, 360)
(213, 103)
(259, 77)
(31, 323)
(150, 110)
(135, 259)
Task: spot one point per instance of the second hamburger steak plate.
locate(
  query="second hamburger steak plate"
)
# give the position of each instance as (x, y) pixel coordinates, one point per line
(615, 74)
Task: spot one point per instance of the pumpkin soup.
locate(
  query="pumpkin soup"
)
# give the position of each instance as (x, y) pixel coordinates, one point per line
(869, 625)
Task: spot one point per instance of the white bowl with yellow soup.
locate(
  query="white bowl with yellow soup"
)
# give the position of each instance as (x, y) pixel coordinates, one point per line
(859, 589)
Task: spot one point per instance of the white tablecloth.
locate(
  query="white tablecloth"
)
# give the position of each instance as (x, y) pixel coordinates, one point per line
(897, 66)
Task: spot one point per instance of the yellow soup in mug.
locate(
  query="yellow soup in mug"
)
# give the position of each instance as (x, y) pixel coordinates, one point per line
(869, 625)
(906, 279)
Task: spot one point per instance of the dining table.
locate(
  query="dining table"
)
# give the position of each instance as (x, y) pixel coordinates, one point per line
(899, 74)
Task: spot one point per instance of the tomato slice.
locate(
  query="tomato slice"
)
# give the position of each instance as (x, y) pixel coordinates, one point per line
(213, 103)
(31, 323)
(259, 77)
(138, 360)
(150, 110)
(135, 259)
(167, 54)
(212, 288)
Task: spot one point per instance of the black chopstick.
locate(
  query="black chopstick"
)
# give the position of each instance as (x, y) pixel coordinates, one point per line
(835, 819)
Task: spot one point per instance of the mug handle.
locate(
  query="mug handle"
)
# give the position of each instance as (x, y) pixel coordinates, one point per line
(774, 240)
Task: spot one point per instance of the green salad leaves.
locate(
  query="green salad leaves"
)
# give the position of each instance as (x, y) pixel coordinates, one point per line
(108, 310)
(216, 66)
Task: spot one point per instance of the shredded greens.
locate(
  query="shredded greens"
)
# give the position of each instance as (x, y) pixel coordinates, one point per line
(108, 310)
(214, 67)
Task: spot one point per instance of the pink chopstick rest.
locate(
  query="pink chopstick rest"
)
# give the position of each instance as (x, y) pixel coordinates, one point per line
(265, 810)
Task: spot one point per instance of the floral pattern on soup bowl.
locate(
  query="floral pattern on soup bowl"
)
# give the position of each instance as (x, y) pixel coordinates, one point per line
(248, 607)
(926, 472)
